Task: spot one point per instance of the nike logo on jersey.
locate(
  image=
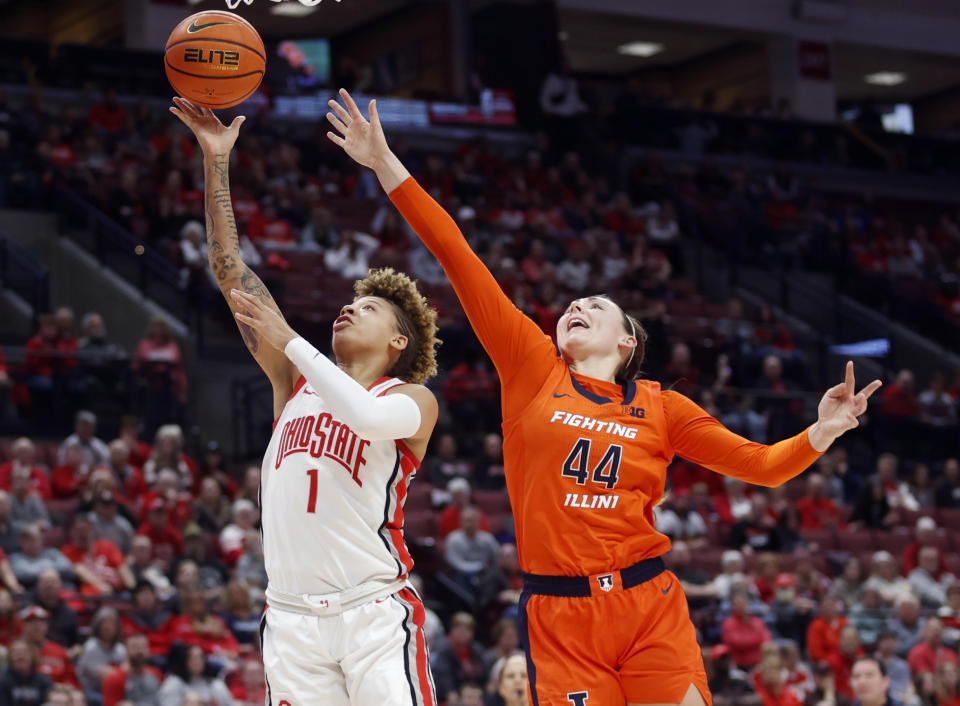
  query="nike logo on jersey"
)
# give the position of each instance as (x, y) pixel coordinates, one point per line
(591, 502)
(561, 394)
(589, 423)
(666, 590)
(194, 27)
(322, 436)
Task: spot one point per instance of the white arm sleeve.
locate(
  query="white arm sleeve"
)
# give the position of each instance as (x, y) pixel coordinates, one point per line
(372, 418)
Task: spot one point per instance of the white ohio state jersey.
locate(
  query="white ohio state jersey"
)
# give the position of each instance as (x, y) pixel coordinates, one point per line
(331, 502)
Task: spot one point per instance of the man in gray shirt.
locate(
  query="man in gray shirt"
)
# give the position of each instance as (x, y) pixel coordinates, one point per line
(108, 523)
(95, 451)
(135, 681)
(25, 508)
(469, 549)
(32, 559)
(907, 625)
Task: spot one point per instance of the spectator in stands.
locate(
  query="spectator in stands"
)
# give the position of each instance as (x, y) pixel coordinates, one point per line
(771, 685)
(250, 568)
(907, 624)
(901, 682)
(733, 504)
(575, 270)
(732, 571)
(797, 675)
(102, 652)
(810, 580)
(470, 550)
(108, 115)
(130, 429)
(351, 259)
(240, 616)
(46, 362)
(937, 408)
(758, 530)
(24, 454)
(886, 579)
(197, 626)
(233, 535)
(250, 690)
(678, 520)
(165, 538)
(187, 674)
(147, 617)
(9, 534)
(744, 633)
(928, 581)
(144, 567)
(168, 454)
(445, 465)
(135, 681)
(948, 491)
(500, 588)
(946, 684)
(924, 656)
(107, 524)
(792, 614)
(21, 684)
(869, 617)
(873, 510)
(100, 358)
(512, 684)
(26, 508)
(824, 691)
(52, 659)
(925, 536)
(159, 361)
(950, 615)
(788, 530)
(869, 683)
(920, 486)
(728, 684)
(766, 568)
(849, 586)
(212, 573)
(212, 466)
(843, 659)
(816, 510)
(251, 484)
(459, 489)
(33, 559)
(99, 564)
(129, 479)
(899, 398)
(506, 642)
(68, 479)
(458, 659)
(823, 637)
(95, 451)
(697, 584)
(64, 624)
(680, 370)
(488, 470)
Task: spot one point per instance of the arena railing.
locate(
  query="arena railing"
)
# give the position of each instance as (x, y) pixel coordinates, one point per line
(24, 273)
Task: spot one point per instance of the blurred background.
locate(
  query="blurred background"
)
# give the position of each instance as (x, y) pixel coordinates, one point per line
(771, 186)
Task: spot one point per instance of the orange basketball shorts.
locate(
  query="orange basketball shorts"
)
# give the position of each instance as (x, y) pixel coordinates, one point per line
(591, 642)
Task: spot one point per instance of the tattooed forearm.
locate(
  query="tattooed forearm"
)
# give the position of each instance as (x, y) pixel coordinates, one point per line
(221, 165)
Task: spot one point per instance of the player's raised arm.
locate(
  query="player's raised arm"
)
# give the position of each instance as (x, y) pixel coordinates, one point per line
(697, 436)
(512, 340)
(223, 243)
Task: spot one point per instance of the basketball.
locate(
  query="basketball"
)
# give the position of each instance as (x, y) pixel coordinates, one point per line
(215, 59)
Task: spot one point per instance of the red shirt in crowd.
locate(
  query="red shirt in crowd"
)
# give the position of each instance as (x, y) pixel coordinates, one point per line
(167, 541)
(212, 637)
(823, 637)
(103, 559)
(158, 638)
(744, 636)
(450, 520)
(245, 696)
(923, 658)
(818, 514)
(842, 667)
(66, 482)
(39, 483)
(114, 686)
(783, 697)
(53, 660)
(897, 403)
(275, 229)
(42, 356)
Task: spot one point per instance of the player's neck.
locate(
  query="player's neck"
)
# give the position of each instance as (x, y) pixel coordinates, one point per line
(365, 371)
(597, 367)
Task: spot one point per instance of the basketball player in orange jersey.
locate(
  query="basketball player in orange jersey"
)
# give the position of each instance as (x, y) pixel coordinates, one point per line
(343, 627)
(586, 448)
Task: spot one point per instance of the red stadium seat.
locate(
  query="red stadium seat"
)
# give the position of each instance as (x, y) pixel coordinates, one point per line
(825, 539)
(855, 541)
(420, 525)
(492, 502)
(418, 497)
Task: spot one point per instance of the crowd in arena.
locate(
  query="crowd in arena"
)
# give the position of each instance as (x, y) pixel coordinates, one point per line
(133, 569)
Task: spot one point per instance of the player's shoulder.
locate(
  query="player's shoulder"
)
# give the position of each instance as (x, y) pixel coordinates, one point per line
(411, 389)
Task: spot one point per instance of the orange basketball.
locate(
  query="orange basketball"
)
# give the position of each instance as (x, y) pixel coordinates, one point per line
(215, 59)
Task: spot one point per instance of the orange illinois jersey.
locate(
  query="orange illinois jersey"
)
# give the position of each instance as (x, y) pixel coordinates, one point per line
(585, 466)
(585, 459)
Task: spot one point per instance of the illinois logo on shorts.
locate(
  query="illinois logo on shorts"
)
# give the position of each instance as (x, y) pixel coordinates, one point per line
(606, 582)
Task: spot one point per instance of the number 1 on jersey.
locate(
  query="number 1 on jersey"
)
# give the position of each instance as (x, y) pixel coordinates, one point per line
(312, 499)
(606, 472)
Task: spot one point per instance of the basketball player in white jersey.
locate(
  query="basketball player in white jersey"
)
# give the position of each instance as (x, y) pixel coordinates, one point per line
(343, 626)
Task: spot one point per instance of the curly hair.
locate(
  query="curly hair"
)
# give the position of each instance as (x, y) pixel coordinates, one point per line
(415, 319)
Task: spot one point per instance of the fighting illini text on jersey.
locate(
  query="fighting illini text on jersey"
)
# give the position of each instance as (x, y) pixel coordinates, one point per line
(331, 502)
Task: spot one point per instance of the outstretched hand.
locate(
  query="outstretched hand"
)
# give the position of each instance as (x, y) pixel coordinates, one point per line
(838, 410)
(214, 137)
(271, 326)
(363, 140)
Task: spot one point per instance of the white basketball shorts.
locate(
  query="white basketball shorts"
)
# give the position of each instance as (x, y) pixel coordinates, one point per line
(373, 654)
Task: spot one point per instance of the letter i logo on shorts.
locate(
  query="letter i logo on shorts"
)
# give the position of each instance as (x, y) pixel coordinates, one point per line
(606, 583)
(579, 698)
